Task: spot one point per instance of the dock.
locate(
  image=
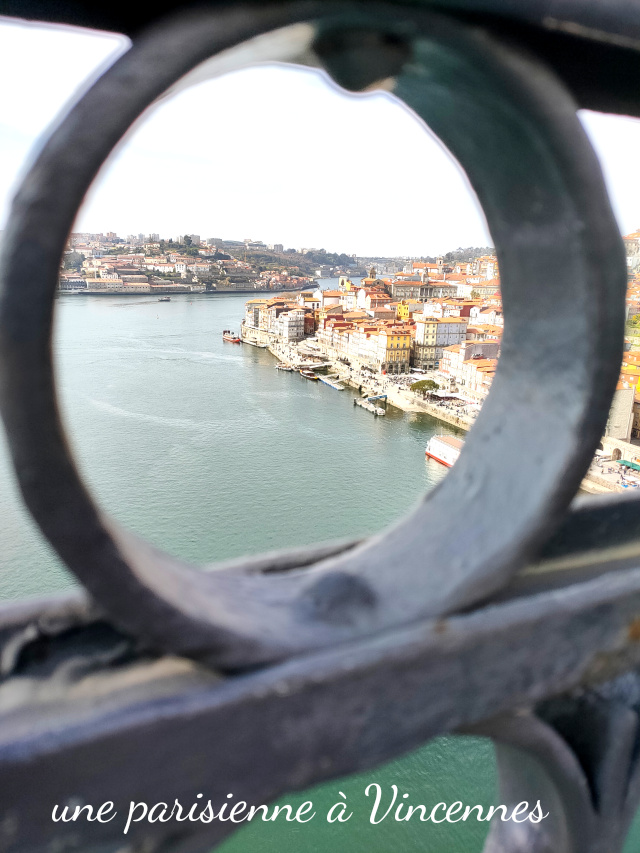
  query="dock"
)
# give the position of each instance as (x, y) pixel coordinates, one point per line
(312, 365)
(331, 382)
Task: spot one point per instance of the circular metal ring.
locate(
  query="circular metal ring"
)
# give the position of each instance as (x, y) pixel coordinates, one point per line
(514, 129)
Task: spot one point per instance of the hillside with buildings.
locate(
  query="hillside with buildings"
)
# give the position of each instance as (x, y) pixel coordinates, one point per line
(441, 320)
(106, 263)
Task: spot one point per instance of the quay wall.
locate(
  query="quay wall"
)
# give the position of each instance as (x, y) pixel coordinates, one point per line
(596, 485)
(448, 417)
(408, 401)
(405, 400)
(257, 337)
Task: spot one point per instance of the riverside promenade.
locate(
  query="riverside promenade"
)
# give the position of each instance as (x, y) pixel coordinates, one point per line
(597, 481)
(402, 398)
(373, 384)
(603, 479)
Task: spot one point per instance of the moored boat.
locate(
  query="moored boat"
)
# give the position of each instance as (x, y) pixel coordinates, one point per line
(364, 403)
(308, 374)
(286, 367)
(444, 449)
(228, 335)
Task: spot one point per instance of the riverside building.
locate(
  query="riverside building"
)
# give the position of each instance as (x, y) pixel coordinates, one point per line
(433, 335)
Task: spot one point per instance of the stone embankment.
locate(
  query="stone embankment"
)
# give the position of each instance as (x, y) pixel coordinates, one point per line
(446, 415)
(407, 401)
(594, 483)
(373, 385)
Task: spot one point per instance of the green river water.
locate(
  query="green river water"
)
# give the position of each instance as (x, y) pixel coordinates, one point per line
(205, 449)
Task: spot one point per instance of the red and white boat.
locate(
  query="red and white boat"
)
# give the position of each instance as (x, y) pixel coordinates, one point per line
(228, 335)
(444, 449)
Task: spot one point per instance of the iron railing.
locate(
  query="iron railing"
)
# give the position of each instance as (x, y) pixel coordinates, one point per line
(521, 624)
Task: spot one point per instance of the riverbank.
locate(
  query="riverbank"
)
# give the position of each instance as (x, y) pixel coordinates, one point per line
(604, 479)
(596, 485)
(596, 481)
(177, 290)
(404, 399)
(372, 385)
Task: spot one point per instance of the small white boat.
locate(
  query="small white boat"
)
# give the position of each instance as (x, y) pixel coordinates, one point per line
(378, 411)
(444, 449)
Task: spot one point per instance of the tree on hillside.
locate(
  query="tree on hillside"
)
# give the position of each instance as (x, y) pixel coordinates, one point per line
(469, 253)
(73, 261)
(424, 387)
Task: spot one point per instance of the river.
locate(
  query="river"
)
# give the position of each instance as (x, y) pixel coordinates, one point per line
(208, 451)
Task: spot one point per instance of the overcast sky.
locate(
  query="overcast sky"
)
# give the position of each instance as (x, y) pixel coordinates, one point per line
(271, 153)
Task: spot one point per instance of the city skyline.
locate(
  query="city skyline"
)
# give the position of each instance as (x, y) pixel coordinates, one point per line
(271, 153)
(141, 239)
